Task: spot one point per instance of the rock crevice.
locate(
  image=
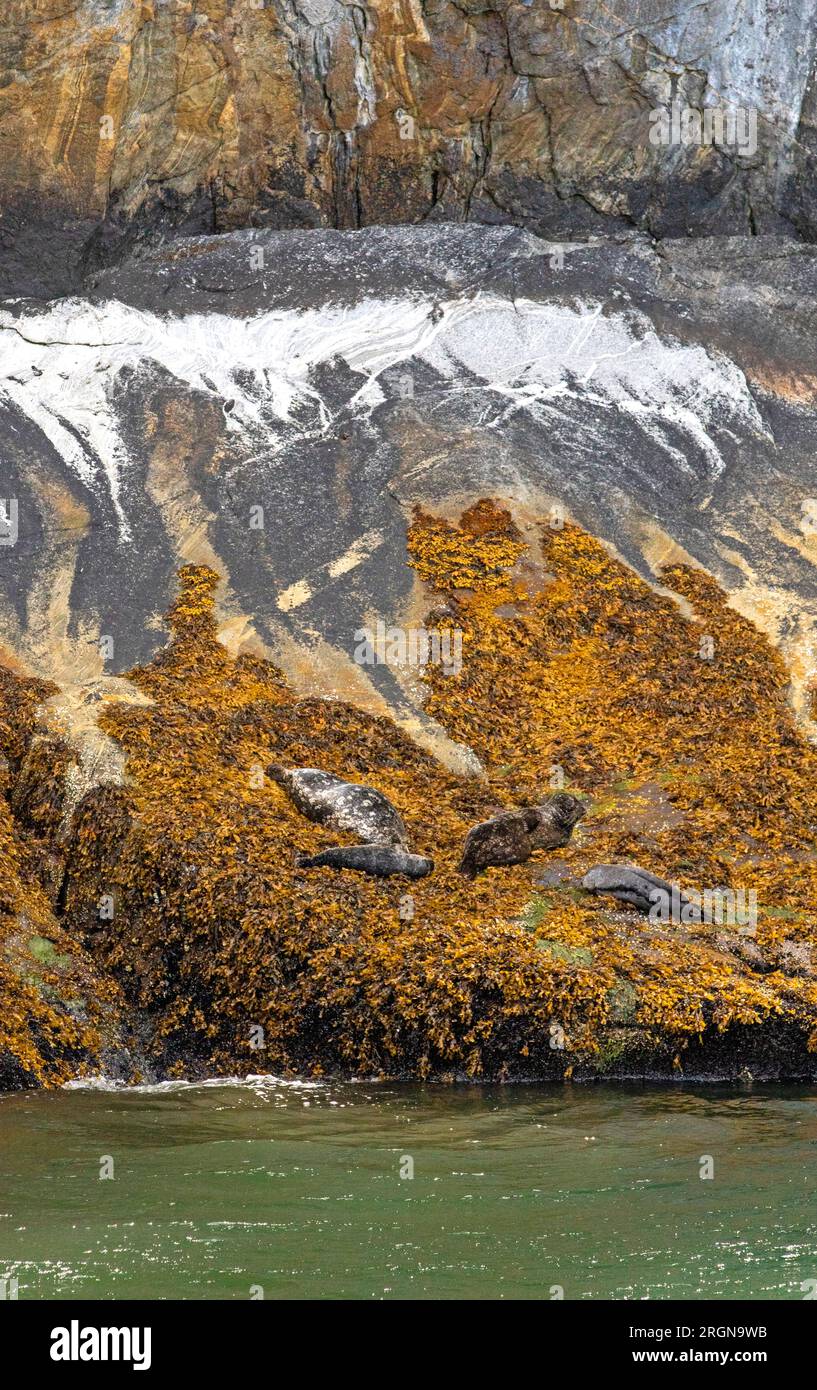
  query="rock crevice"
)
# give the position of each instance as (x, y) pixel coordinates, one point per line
(128, 122)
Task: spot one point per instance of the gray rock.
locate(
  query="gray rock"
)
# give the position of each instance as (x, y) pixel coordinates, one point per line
(689, 353)
(585, 85)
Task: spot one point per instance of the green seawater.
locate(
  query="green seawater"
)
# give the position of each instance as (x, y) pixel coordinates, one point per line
(234, 1190)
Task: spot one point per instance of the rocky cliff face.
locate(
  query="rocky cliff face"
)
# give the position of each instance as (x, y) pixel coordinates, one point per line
(580, 443)
(126, 119)
(275, 404)
(306, 426)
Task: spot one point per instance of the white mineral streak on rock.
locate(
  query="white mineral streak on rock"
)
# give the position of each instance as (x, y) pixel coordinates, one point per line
(59, 366)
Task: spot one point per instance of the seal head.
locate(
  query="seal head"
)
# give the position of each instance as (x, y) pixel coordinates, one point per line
(558, 817)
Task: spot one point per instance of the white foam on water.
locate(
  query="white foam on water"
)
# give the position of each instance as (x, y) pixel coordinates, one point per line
(62, 366)
(258, 1083)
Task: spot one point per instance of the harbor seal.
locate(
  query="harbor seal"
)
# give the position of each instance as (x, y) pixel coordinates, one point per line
(381, 861)
(346, 806)
(627, 883)
(512, 836)
(558, 817)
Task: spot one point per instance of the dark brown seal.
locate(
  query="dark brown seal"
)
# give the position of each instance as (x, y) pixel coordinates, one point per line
(512, 836)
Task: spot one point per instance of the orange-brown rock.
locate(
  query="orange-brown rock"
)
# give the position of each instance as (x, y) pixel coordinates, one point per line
(119, 117)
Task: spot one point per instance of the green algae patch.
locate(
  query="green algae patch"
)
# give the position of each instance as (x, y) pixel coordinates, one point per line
(623, 1001)
(573, 955)
(535, 913)
(46, 952)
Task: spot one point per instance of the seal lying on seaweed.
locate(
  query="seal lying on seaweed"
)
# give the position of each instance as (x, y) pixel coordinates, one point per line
(512, 836)
(381, 861)
(346, 806)
(627, 883)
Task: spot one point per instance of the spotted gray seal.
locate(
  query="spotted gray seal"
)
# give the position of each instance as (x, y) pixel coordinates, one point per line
(381, 861)
(512, 836)
(346, 806)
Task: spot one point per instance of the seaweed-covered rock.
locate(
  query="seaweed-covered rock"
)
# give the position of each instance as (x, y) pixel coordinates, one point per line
(59, 1010)
(214, 938)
